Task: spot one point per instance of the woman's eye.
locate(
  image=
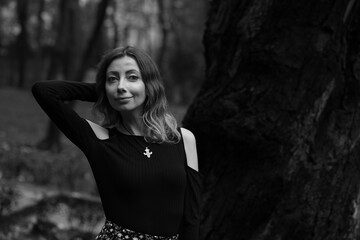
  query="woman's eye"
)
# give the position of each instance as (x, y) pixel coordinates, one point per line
(111, 79)
(133, 77)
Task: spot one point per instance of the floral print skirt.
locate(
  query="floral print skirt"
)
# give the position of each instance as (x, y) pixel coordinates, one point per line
(111, 231)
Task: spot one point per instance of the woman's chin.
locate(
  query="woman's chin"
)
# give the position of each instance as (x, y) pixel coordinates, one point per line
(128, 110)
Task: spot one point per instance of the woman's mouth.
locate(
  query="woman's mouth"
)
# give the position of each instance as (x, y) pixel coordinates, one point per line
(123, 99)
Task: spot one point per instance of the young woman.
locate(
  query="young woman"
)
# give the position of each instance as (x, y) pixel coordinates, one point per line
(145, 167)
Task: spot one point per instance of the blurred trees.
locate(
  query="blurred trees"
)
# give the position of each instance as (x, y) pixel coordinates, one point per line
(277, 120)
(32, 32)
(66, 55)
(64, 39)
(7, 198)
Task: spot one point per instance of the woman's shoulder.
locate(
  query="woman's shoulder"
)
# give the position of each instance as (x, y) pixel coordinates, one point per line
(100, 132)
(190, 148)
(188, 136)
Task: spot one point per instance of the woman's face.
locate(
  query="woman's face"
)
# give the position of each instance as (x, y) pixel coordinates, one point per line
(124, 86)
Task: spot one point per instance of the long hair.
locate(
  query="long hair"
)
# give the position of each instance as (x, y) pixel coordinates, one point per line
(160, 125)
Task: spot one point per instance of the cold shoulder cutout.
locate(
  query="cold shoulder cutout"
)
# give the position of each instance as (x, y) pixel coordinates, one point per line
(190, 149)
(99, 131)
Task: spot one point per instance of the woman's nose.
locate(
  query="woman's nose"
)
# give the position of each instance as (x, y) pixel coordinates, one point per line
(122, 85)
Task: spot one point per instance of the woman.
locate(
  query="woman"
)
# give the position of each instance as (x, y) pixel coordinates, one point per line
(145, 167)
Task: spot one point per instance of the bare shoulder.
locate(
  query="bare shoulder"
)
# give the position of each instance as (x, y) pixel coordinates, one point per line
(190, 148)
(100, 132)
(188, 135)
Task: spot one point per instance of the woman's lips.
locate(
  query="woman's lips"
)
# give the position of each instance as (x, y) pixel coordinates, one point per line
(123, 99)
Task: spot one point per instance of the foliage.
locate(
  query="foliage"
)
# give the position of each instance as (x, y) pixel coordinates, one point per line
(23, 124)
(67, 170)
(61, 216)
(8, 27)
(27, 175)
(7, 198)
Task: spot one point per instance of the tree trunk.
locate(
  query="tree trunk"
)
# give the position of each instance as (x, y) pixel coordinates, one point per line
(115, 25)
(165, 25)
(22, 41)
(95, 34)
(39, 41)
(51, 140)
(277, 120)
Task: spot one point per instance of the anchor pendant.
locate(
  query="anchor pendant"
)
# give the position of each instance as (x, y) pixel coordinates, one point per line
(147, 152)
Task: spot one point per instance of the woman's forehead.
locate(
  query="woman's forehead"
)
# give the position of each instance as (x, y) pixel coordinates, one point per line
(123, 64)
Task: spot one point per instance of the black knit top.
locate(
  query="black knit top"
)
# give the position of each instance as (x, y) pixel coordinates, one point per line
(157, 195)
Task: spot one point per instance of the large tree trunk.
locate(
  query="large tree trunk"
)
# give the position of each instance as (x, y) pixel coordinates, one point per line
(277, 120)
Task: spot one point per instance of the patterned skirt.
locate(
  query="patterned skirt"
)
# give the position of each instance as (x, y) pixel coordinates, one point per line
(111, 231)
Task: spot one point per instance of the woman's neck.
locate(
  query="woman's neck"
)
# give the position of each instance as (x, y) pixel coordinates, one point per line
(132, 125)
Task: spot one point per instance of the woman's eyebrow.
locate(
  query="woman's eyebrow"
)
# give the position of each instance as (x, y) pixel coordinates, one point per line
(132, 71)
(113, 73)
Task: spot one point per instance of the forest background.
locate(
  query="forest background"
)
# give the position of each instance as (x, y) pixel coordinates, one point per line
(276, 118)
(44, 179)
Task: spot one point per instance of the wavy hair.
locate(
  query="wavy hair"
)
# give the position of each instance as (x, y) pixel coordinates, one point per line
(161, 126)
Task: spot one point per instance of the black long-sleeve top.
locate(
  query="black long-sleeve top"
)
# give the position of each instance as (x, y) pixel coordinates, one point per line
(158, 195)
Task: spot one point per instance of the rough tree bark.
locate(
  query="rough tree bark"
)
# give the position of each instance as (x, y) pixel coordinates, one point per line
(277, 120)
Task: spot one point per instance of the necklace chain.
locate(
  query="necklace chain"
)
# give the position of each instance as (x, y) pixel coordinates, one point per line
(147, 151)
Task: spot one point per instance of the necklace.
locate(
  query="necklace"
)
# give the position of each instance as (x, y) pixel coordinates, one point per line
(147, 151)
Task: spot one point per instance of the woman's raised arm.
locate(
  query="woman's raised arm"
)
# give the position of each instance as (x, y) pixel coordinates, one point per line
(52, 95)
